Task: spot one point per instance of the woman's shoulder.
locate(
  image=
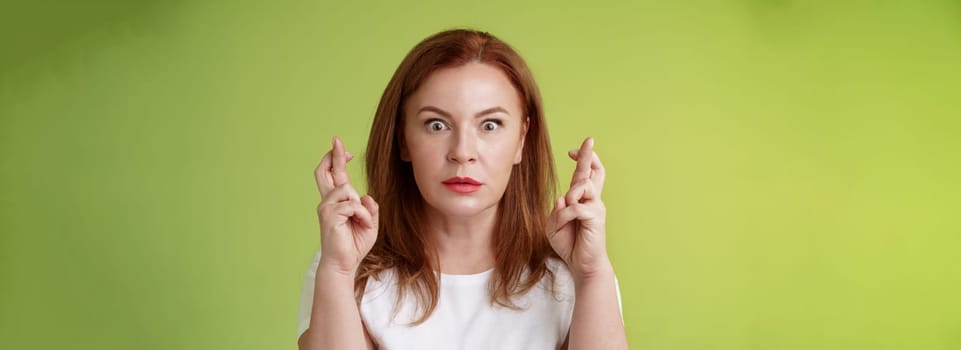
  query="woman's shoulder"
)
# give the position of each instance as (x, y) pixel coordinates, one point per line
(557, 265)
(562, 281)
(559, 268)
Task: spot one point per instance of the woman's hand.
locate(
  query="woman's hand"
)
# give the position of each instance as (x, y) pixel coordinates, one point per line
(348, 222)
(576, 225)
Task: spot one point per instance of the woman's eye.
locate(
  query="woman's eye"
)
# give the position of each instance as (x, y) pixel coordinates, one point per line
(435, 125)
(490, 125)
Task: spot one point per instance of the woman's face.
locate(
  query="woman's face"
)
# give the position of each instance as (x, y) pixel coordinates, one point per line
(463, 132)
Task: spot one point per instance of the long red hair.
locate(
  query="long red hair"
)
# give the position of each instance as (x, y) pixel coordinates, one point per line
(521, 248)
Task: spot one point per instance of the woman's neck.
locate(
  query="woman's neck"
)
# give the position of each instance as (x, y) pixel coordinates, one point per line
(464, 244)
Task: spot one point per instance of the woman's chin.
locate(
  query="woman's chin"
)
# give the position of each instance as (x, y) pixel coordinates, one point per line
(462, 208)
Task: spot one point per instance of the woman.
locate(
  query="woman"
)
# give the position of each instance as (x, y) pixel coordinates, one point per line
(456, 245)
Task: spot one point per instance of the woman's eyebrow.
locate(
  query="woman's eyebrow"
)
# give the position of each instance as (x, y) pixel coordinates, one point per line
(491, 110)
(433, 109)
(478, 115)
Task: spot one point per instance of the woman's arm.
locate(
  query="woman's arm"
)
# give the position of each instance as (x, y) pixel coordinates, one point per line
(576, 230)
(597, 322)
(334, 317)
(348, 229)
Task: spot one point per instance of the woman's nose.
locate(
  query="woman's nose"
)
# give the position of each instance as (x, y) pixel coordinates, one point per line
(464, 148)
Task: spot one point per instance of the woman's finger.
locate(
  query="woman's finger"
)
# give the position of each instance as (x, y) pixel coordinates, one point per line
(342, 193)
(581, 192)
(583, 169)
(597, 168)
(343, 209)
(572, 212)
(325, 182)
(338, 164)
(554, 223)
(371, 205)
(361, 215)
(561, 224)
(340, 203)
(323, 174)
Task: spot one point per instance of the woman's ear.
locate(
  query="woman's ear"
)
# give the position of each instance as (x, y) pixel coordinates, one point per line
(520, 147)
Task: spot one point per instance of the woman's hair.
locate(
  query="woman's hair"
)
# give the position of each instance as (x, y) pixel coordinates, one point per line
(521, 248)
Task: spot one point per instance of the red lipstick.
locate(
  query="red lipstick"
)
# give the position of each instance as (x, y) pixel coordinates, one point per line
(462, 184)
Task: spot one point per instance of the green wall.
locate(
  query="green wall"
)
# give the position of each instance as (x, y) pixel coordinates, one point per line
(781, 174)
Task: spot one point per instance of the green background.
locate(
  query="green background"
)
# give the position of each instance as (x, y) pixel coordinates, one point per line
(781, 174)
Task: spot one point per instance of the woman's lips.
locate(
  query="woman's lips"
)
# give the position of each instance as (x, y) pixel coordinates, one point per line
(462, 187)
(462, 184)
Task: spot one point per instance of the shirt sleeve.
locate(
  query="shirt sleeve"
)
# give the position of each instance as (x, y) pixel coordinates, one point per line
(307, 296)
(620, 308)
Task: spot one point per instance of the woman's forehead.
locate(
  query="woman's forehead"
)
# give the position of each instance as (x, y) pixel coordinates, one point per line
(466, 89)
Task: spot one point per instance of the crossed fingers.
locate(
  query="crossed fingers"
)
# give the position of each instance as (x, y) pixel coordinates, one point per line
(332, 170)
(588, 179)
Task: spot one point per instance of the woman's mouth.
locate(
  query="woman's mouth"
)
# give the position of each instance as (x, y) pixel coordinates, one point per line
(462, 184)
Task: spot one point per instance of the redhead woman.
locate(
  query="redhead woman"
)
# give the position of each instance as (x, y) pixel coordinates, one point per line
(460, 242)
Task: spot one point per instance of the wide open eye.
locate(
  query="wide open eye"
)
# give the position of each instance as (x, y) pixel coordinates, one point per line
(436, 125)
(491, 125)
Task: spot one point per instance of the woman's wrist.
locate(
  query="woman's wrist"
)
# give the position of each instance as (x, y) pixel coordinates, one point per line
(599, 270)
(335, 271)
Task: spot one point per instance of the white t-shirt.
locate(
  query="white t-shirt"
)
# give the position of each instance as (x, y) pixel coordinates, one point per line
(464, 317)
